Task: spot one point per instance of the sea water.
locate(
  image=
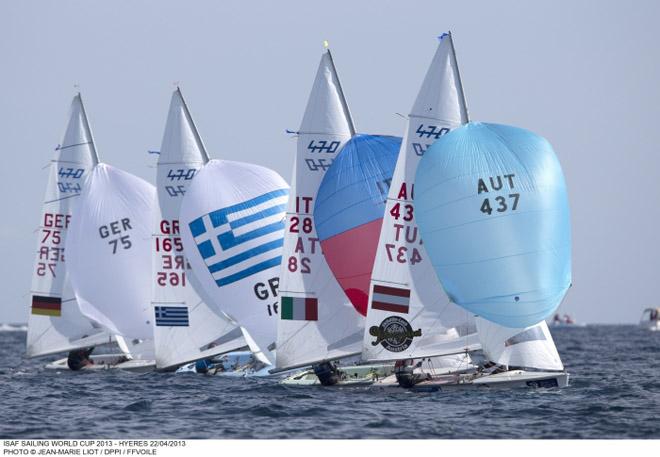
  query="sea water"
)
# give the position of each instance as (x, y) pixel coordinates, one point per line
(614, 392)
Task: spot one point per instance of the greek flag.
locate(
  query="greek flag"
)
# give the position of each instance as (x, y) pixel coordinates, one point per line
(171, 316)
(242, 239)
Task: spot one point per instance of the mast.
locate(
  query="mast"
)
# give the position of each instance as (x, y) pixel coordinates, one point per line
(344, 104)
(460, 81)
(193, 126)
(92, 143)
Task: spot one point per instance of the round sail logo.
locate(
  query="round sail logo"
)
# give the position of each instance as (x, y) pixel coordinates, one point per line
(394, 333)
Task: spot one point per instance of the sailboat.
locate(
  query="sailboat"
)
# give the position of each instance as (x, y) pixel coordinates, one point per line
(185, 327)
(55, 323)
(232, 231)
(650, 319)
(492, 208)
(409, 316)
(109, 258)
(318, 322)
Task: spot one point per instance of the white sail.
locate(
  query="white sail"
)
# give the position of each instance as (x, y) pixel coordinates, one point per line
(55, 323)
(109, 251)
(529, 347)
(409, 314)
(322, 323)
(232, 230)
(196, 331)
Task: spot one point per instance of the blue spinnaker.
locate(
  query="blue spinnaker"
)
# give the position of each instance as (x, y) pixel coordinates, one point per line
(492, 209)
(349, 209)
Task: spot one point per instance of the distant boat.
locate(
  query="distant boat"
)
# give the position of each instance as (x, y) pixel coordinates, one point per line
(564, 321)
(650, 319)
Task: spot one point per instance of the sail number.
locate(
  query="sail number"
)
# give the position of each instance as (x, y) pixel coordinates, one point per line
(500, 203)
(302, 224)
(168, 240)
(329, 147)
(50, 251)
(118, 227)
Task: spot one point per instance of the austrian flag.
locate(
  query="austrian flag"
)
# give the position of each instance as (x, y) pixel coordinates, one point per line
(300, 309)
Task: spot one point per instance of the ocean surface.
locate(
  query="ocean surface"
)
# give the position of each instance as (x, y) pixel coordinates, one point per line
(614, 392)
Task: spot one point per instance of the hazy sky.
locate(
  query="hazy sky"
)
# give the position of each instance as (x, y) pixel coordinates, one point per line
(586, 75)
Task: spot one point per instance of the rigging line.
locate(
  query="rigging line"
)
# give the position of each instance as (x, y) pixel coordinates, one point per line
(60, 199)
(59, 148)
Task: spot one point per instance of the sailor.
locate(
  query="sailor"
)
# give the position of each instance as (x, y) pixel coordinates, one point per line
(202, 366)
(654, 315)
(79, 358)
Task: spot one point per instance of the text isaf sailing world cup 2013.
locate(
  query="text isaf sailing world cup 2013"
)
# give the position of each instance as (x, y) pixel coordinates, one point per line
(86, 447)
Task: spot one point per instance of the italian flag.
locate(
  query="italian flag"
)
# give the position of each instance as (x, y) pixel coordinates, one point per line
(300, 309)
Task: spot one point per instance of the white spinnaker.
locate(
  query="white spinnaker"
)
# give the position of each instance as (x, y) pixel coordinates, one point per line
(182, 153)
(109, 251)
(401, 260)
(48, 332)
(232, 230)
(326, 127)
(529, 347)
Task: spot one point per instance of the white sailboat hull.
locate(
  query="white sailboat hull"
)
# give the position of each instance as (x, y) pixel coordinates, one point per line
(360, 375)
(108, 362)
(508, 379)
(653, 326)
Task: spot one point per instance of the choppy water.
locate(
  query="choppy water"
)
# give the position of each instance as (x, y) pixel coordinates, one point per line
(614, 392)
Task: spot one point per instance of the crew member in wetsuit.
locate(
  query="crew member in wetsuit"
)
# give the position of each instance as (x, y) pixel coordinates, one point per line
(79, 358)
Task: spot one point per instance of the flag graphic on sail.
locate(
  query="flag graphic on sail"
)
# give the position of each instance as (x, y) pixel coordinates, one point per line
(171, 316)
(207, 331)
(244, 231)
(300, 309)
(55, 323)
(232, 220)
(305, 274)
(401, 260)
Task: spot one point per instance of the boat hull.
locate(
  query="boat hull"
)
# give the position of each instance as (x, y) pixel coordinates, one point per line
(355, 376)
(508, 380)
(108, 362)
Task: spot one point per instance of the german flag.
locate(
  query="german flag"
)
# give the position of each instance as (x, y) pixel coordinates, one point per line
(46, 306)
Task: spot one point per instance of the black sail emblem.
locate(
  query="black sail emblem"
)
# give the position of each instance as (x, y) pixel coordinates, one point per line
(395, 334)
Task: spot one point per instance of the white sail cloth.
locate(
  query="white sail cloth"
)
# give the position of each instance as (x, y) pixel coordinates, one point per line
(196, 330)
(232, 227)
(529, 347)
(55, 323)
(109, 251)
(409, 314)
(322, 323)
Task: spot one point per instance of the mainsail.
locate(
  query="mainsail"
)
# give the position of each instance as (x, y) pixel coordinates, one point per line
(317, 321)
(232, 227)
(409, 314)
(109, 251)
(348, 213)
(185, 327)
(493, 210)
(55, 323)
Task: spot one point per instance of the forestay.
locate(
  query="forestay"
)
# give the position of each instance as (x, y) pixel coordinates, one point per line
(349, 208)
(185, 327)
(493, 210)
(409, 314)
(232, 227)
(55, 323)
(109, 251)
(317, 320)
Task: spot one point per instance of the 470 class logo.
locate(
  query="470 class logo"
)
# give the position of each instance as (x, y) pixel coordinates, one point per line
(395, 334)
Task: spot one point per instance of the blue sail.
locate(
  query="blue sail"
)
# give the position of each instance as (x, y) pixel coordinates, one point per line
(492, 209)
